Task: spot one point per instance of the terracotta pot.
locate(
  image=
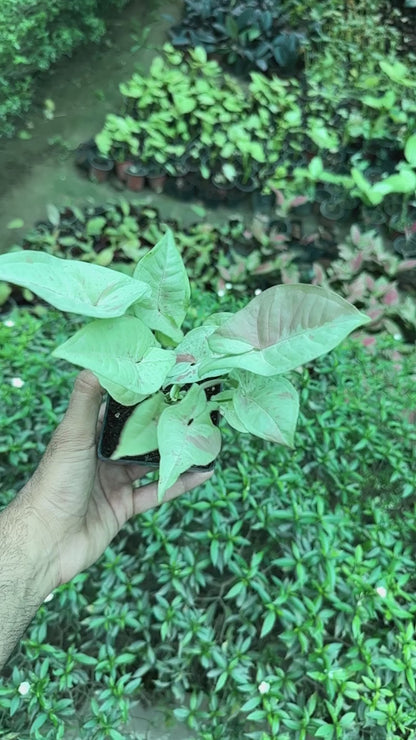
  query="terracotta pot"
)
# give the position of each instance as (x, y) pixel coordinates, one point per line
(100, 168)
(121, 169)
(135, 178)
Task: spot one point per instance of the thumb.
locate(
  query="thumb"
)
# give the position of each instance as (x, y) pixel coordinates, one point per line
(80, 420)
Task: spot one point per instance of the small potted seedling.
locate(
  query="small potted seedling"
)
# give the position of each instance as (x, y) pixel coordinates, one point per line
(169, 385)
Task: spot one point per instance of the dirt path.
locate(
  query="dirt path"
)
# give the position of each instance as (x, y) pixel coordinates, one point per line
(83, 89)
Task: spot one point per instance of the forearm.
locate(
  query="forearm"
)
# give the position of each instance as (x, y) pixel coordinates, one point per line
(25, 572)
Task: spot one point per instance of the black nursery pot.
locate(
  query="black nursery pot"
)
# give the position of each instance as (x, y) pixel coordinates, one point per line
(115, 417)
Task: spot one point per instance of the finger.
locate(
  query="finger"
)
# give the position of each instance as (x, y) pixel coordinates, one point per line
(80, 420)
(145, 498)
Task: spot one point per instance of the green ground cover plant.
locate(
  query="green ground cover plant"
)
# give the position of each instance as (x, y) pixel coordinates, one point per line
(33, 36)
(275, 602)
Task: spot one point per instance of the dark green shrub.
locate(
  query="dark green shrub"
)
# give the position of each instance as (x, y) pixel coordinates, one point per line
(277, 601)
(246, 35)
(33, 36)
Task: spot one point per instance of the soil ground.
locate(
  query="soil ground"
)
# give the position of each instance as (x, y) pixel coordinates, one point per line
(41, 170)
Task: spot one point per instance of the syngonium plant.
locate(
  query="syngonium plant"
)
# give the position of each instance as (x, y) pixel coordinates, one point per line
(138, 351)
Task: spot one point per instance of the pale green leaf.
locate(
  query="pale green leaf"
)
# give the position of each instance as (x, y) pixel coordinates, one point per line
(316, 167)
(139, 434)
(71, 285)
(229, 413)
(403, 182)
(266, 407)
(186, 437)
(122, 354)
(217, 319)
(282, 328)
(190, 352)
(16, 223)
(410, 150)
(162, 269)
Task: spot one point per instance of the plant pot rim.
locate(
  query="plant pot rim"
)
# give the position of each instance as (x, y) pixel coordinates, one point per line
(136, 170)
(102, 163)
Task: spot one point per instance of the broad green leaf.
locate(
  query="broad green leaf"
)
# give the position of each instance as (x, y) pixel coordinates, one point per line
(71, 285)
(162, 269)
(365, 187)
(216, 319)
(282, 328)
(266, 407)
(403, 182)
(139, 434)
(230, 415)
(315, 167)
(186, 437)
(322, 137)
(122, 354)
(190, 352)
(398, 72)
(410, 150)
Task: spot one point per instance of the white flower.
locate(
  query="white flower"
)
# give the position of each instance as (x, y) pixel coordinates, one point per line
(17, 382)
(257, 291)
(8, 322)
(228, 285)
(264, 687)
(48, 598)
(24, 688)
(381, 591)
(221, 293)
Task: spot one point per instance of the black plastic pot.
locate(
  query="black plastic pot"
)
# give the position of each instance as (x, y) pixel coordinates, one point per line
(332, 210)
(235, 197)
(182, 187)
(281, 226)
(263, 202)
(100, 167)
(249, 186)
(373, 216)
(115, 417)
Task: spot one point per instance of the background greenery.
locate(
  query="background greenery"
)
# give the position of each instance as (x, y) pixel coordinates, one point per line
(276, 602)
(34, 34)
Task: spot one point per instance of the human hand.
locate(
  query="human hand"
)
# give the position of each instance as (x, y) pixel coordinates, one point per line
(79, 503)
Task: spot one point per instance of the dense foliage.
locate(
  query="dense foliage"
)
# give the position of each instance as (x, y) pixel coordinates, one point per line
(187, 116)
(287, 248)
(34, 35)
(277, 601)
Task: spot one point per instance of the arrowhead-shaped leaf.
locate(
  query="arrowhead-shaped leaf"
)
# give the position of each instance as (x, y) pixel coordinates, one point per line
(162, 269)
(122, 354)
(71, 285)
(266, 407)
(139, 434)
(186, 437)
(282, 328)
(190, 352)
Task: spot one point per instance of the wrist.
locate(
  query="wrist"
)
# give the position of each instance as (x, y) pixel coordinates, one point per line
(33, 552)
